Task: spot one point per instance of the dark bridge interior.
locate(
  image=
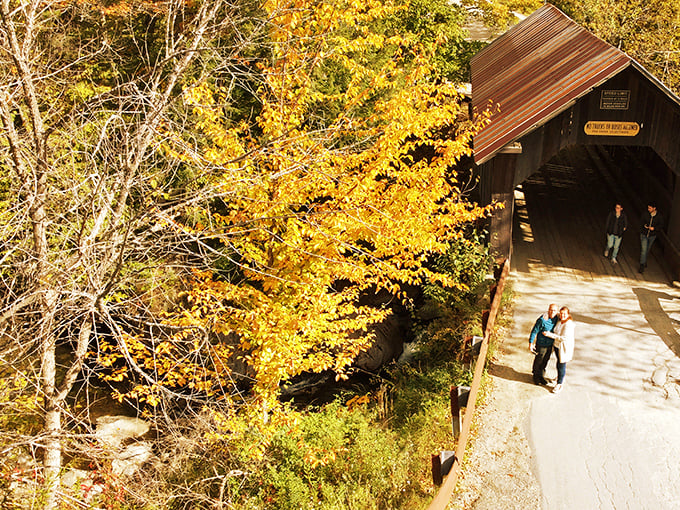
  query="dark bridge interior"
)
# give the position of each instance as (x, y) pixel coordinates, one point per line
(560, 212)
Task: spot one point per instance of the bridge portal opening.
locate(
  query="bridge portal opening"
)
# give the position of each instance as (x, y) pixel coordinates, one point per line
(575, 125)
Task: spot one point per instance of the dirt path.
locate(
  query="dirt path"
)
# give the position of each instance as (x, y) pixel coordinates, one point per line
(497, 474)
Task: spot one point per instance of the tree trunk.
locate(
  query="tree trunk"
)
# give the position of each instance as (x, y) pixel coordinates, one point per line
(52, 409)
(65, 287)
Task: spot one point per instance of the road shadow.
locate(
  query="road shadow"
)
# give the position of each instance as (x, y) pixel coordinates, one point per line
(509, 373)
(657, 318)
(588, 319)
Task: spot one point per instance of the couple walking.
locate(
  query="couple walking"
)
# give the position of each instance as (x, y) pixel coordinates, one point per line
(553, 331)
(617, 223)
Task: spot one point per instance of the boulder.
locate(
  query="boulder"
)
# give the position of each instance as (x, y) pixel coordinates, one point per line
(73, 476)
(84, 481)
(112, 431)
(387, 346)
(128, 461)
(660, 376)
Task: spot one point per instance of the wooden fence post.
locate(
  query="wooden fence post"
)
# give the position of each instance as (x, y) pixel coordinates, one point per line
(459, 398)
(441, 465)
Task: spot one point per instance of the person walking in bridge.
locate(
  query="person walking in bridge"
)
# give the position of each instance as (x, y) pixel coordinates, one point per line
(563, 338)
(615, 226)
(540, 344)
(652, 224)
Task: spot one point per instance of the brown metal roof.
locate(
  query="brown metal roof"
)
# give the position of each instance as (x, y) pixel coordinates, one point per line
(534, 71)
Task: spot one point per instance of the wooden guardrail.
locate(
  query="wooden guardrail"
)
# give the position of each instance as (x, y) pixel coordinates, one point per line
(449, 481)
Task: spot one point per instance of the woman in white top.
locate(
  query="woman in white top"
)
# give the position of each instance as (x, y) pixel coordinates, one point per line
(563, 336)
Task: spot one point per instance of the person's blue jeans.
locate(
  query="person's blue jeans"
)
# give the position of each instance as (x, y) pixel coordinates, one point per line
(561, 368)
(613, 244)
(645, 246)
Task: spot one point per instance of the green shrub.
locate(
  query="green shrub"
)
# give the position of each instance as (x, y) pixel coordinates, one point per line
(338, 457)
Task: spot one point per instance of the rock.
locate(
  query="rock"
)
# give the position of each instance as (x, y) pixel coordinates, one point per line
(673, 392)
(71, 477)
(112, 431)
(387, 346)
(660, 376)
(128, 462)
(674, 369)
(408, 353)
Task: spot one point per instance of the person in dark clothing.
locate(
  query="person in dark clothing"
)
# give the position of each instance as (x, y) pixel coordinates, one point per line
(616, 225)
(540, 345)
(652, 224)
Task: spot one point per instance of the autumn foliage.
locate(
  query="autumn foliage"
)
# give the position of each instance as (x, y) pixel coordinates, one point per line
(328, 194)
(203, 197)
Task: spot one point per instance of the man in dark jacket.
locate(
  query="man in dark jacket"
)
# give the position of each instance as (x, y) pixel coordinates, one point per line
(616, 225)
(541, 345)
(651, 225)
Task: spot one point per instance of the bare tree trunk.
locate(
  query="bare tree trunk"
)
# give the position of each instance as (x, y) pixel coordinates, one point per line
(52, 410)
(35, 175)
(86, 274)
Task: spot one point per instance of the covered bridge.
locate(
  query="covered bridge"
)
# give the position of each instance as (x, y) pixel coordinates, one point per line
(552, 86)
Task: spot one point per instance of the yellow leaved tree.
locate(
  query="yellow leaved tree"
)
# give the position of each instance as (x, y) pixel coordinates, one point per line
(329, 194)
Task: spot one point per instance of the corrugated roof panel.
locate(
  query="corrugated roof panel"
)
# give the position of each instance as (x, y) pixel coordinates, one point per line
(533, 72)
(517, 119)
